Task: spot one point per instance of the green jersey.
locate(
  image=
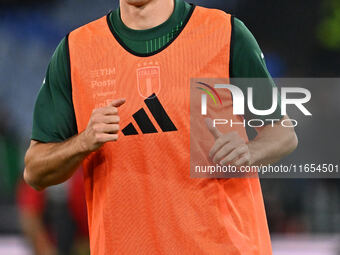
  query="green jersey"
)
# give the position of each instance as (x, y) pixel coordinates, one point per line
(54, 118)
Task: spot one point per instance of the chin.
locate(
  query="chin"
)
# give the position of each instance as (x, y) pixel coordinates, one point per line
(137, 2)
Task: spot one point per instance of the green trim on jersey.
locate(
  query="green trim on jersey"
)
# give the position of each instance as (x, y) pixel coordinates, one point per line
(54, 118)
(151, 40)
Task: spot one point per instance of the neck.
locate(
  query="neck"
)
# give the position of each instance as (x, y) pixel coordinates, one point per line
(141, 15)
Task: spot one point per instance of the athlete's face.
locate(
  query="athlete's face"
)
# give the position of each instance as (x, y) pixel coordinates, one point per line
(137, 2)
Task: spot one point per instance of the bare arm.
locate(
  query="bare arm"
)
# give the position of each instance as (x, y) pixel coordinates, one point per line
(270, 145)
(53, 163)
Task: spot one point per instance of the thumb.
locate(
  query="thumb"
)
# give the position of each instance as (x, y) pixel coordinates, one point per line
(117, 102)
(213, 130)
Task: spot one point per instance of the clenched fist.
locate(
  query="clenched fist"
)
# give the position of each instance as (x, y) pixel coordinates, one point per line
(103, 126)
(228, 148)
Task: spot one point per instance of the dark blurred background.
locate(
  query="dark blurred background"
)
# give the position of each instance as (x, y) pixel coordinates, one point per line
(298, 38)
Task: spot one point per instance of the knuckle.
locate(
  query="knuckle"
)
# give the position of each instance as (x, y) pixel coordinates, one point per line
(96, 128)
(113, 120)
(233, 145)
(94, 119)
(96, 111)
(114, 128)
(222, 139)
(114, 110)
(220, 142)
(245, 147)
(240, 148)
(225, 148)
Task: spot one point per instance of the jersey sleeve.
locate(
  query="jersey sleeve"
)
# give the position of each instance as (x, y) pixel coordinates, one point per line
(54, 118)
(247, 61)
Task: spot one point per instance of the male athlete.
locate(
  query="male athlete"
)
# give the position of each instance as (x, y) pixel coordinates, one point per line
(116, 98)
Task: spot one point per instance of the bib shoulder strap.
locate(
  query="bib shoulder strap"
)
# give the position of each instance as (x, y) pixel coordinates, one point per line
(83, 35)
